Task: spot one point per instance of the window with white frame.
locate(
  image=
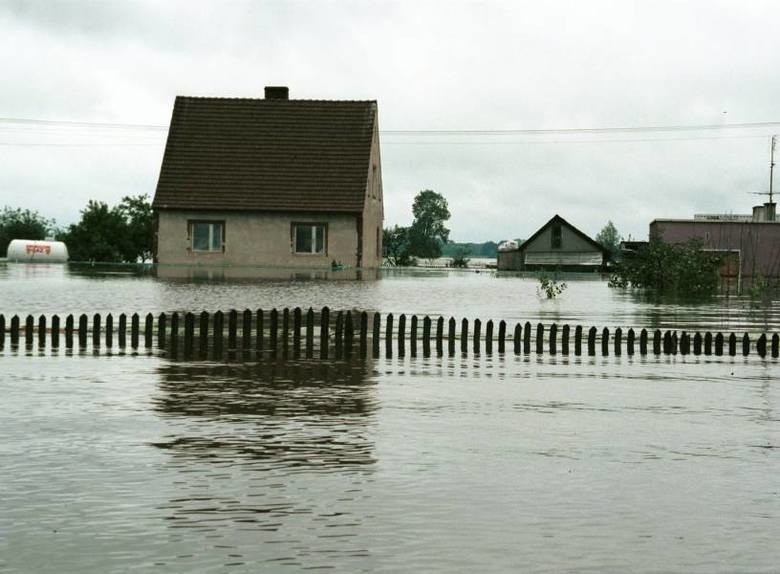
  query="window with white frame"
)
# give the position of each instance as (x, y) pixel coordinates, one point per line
(309, 238)
(207, 236)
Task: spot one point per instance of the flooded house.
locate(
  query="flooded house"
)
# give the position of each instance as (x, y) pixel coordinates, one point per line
(270, 182)
(557, 245)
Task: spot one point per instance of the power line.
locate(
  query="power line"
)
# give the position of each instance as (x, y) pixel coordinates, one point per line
(435, 132)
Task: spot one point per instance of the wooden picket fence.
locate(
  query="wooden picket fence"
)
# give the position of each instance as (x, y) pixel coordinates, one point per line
(344, 334)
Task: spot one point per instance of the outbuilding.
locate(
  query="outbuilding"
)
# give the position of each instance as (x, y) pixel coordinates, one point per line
(557, 245)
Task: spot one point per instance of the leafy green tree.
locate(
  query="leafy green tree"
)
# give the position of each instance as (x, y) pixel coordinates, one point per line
(101, 235)
(396, 245)
(428, 233)
(18, 223)
(680, 269)
(137, 212)
(610, 239)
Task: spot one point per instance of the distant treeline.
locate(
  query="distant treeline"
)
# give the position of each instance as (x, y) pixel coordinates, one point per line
(486, 249)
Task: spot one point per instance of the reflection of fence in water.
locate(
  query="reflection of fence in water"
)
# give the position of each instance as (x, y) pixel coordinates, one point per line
(344, 334)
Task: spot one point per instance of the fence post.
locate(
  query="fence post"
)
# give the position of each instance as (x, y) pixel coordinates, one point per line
(426, 336)
(310, 333)
(668, 342)
(376, 326)
(592, 341)
(565, 339)
(297, 332)
(324, 332)
(618, 346)
(83, 326)
(96, 331)
(161, 323)
(685, 343)
(732, 344)
(643, 341)
(719, 344)
(697, 343)
(674, 342)
(553, 339)
(189, 334)
(489, 337)
(517, 339)
(349, 335)
(149, 331)
(539, 339)
(745, 345)
(401, 335)
(527, 338)
(55, 331)
(657, 342)
(464, 336)
(578, 340)
(232, 329)
(203, 334)
(246, 331)
(273, 336)
(775, 345)
(174, 333)
(339, 338)
(708, 343)
(260, 331)
(134, 328)
(761, 345)
(440, 336)
(29, 326)
(389, 336)
(285, 331)
(413, 336)
(2, 332)
(42, 332)
(502, 337)
(68, 331)
(364, 334)
(109, 331)
(451, 326)
(15, 331)
(605, 342)
(630, 341)
(218, 328)
(477, 334)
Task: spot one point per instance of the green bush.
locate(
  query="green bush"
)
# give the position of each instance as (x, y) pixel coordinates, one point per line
(680, 269)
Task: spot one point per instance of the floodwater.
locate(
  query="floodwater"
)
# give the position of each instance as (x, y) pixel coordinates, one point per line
(454, 464)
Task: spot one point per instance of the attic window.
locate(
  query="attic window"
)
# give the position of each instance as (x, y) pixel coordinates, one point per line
(555, 237)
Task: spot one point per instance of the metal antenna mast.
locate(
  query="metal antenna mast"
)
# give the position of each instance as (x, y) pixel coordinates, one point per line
(772, 166)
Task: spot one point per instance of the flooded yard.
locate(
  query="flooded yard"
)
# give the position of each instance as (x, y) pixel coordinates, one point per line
(487, 463)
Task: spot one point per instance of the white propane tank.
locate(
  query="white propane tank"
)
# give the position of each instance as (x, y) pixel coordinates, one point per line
(35, 251)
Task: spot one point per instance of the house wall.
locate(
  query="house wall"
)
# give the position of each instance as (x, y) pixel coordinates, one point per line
(570, 242)
(509, 261)
(373, 211)
(757, 242)
(574, 253)
(261, 239)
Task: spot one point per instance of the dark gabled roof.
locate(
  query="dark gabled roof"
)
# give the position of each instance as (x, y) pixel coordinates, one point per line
(558, 219)
(276, 155)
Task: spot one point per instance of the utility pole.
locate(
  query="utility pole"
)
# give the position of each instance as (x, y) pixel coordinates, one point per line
(772, 166)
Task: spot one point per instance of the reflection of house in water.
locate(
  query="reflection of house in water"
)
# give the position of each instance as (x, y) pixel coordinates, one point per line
(287, 413)
(557, 245)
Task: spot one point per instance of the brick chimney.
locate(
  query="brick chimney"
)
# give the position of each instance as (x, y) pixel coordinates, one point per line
(277, 93)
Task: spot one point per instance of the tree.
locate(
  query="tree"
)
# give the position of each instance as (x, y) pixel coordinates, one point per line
(428, 233)
(101, 235)
(22, 224)
(137, 212)
(610, 239)
(395, 246)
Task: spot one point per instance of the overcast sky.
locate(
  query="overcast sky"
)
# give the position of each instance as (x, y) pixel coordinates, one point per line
(431, 66)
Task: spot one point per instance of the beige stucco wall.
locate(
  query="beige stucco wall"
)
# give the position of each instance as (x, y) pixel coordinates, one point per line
(373, 211)
(261, 239)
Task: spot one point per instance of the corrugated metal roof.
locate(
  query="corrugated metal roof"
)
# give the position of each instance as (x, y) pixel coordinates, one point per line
(266, 155)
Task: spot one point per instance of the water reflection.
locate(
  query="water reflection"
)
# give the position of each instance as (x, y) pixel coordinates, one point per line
(301, 415)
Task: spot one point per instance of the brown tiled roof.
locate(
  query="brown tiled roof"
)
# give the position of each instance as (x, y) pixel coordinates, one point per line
(254, 154)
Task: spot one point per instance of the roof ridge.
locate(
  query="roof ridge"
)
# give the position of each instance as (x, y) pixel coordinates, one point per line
(275, 101)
